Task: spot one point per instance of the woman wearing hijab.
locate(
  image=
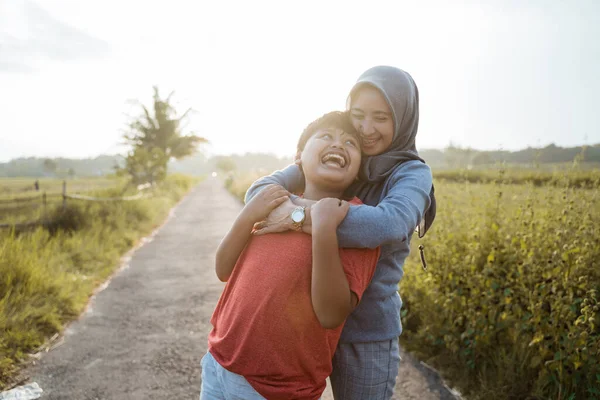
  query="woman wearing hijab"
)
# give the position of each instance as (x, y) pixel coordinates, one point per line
(396, 188)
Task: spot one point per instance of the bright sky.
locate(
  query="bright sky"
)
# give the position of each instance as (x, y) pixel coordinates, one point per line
(491, 74)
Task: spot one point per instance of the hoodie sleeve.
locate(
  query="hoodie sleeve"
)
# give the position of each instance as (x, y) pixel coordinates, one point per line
(397, 214)
(291, 178)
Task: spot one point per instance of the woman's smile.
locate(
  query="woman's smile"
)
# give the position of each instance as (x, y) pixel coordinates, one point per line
(370, 141)
(372, 117)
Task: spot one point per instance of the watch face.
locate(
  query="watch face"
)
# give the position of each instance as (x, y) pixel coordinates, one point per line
(297, 215)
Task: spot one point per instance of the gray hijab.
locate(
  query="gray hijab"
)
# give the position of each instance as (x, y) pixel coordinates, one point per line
(402, 95)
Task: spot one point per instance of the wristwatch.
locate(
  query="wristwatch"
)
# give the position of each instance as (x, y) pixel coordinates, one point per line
(298, 216)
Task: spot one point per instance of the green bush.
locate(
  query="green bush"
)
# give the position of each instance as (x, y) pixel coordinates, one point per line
(48, 274)
(238, 183)
(510, 305)
(560, 178)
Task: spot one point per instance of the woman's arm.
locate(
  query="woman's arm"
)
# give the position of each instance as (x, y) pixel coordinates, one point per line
(290, 178)
(393, 219)
(396, 216)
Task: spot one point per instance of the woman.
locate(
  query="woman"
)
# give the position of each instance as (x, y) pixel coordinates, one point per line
(396, 188)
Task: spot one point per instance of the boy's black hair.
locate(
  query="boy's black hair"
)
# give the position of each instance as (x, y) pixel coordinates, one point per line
(335, 119)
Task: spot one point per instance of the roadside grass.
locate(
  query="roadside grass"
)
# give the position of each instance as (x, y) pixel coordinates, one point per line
(238, 183)
(23, 187)
(573, 177)
(20, 202)
(509, 305)
(48, 273)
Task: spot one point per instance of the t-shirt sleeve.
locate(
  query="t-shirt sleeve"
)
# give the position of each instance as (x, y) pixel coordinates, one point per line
(359, 266)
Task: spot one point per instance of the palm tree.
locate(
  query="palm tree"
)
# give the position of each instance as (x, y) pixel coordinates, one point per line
(157, 137)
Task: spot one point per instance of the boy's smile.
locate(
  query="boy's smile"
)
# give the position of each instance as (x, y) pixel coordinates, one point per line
(334, 158)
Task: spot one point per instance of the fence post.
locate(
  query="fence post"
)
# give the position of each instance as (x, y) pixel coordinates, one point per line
(64, 194)
(45, 213)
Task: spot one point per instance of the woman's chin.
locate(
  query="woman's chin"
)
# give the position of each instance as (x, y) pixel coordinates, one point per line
(372, 151)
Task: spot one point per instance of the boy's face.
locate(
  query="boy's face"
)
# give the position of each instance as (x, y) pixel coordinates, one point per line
(331, 158)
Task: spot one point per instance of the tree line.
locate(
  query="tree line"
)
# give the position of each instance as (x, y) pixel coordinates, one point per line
(158, 140)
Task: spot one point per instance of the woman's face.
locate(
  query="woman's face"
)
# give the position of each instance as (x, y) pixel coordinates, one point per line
(372, 117)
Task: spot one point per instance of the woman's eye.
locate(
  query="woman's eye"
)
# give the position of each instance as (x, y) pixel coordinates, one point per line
(381, 119)
(358, 116)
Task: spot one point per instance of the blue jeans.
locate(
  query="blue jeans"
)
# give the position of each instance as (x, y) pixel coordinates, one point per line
(220, 384)
(365, 371)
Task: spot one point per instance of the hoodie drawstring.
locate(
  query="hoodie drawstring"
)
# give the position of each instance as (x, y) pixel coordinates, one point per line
(422, 254)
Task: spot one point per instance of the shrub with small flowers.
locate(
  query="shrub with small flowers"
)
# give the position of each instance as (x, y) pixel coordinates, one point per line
(510, 305)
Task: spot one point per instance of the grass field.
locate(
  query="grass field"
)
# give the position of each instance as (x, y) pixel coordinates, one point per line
(20, 202)
(48, 272)
(509, 307)
(510, 304)
(23, 187)
(566, 177)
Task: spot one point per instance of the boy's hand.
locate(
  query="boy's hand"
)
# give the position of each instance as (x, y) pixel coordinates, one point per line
(329, 213)
(278, 220)
(264, 202)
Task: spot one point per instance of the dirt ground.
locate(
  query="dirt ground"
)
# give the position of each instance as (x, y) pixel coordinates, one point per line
(144, 334)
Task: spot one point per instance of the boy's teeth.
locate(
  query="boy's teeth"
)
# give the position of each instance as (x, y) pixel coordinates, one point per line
(334, 158)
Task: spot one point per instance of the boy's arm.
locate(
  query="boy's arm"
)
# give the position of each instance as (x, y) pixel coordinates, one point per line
(331, 297)
(232, 246)
(234, 242)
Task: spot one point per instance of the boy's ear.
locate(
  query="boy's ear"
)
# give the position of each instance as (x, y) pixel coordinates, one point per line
(298, 158)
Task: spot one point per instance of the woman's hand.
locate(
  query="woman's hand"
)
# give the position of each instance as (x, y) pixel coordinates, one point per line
(278, 220)
(263, 204)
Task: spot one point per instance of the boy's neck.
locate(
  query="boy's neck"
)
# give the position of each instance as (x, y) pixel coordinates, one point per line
(316, 193)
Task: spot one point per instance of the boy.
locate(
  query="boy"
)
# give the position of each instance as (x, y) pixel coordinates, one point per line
(278, 321)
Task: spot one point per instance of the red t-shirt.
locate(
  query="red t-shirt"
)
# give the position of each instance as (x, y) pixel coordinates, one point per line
(264, 326)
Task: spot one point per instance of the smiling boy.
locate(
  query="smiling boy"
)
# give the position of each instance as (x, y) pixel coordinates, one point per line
(280, 316)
